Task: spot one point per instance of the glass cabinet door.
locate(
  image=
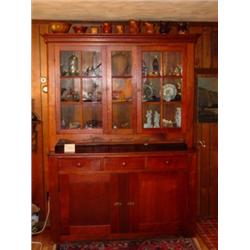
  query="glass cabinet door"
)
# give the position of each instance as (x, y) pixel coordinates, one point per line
(161, 89)
(81, 89)
(122, 89)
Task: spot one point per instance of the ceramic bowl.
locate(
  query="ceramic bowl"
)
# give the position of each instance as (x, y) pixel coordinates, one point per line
(60, 27)
(80, 29)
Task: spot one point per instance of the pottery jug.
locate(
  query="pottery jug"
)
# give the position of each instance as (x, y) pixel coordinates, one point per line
(107, 28)
(93, 30)
(149, 27)
(164, 27)
(120, 64)
(133, 27)
(119, 28)
(182, 28)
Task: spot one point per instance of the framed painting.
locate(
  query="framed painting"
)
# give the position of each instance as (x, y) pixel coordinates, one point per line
(207, 95)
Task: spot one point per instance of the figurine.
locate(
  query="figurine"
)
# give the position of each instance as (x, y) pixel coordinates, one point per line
(73, 65)
(149, 119)
(156, 119)
(155, 66)
(178, 117)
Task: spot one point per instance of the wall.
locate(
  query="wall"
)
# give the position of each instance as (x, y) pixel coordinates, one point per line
(206, 56)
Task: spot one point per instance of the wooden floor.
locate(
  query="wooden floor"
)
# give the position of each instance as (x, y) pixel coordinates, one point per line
(48, 244)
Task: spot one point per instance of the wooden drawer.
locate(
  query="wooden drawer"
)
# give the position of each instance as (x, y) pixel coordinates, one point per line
(163, 162)
(123, 163)
(79, 163)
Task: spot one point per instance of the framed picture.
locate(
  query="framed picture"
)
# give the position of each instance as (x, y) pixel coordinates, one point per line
(207, 95)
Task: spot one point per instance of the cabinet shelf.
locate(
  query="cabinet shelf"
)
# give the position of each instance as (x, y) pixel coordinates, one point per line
(162, 76)
(121, 101)
(121, 77)
(71, 102)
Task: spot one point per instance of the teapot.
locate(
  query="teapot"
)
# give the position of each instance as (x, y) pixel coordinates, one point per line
(149, 27)
(133, 27)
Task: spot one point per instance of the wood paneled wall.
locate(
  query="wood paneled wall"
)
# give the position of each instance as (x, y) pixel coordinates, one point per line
(206, 57)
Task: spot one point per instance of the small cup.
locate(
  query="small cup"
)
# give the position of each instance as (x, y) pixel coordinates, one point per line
(119, 28)
(93, 30)
(106, 28)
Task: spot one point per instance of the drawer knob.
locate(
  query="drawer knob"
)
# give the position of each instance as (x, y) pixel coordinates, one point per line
(117, 204)
(124, 163)
(78, 164)
(167, 161)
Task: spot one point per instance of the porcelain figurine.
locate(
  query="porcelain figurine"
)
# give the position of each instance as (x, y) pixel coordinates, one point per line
(178, 117)
(156, 119)
(73, 65)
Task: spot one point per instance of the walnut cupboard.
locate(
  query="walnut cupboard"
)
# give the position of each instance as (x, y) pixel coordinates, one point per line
(126, 103)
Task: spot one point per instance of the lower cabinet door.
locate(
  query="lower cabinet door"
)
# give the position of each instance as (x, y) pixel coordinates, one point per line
(85, 205)
(162, 201)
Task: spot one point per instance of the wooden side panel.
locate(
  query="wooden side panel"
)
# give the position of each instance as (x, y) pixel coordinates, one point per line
(214, 47)
(206, 47)
(44, 101)
(198, 45)
(38, 192)
(213, 190)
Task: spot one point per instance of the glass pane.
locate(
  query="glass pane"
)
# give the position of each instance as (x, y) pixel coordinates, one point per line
(92, 90)
(70, 63)
(121, 63)
(70, 116)
(171, 90)
(151, 116)
(121, 115)
(122, 90)
(171, 115)
(92, 65)
(151, 65)
(151, 90)
(172, 62)
(70, 89)
(92, 115)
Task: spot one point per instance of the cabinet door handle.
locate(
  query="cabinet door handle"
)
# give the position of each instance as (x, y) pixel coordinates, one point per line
(117, 204)
(202, 143)
(124, 163)
(130, 203)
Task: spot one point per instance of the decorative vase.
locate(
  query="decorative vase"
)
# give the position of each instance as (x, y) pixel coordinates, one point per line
(107, 28)
(178, 117)
(164, 27)
(133, 27)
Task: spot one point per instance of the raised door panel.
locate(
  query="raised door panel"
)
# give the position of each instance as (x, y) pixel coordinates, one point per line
(85, 203)
(162, 201)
